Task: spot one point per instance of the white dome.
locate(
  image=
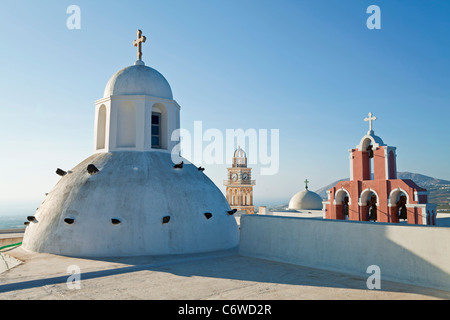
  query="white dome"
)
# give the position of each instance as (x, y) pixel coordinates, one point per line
(305, 200)
(138, 189)
(138, 80)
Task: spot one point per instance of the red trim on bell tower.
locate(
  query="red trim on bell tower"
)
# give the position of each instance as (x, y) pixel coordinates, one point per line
(374, 192)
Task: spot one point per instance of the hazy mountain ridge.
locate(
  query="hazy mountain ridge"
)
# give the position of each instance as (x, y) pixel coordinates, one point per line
(439, 189)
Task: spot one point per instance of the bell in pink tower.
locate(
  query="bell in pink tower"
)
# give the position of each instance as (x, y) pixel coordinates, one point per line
(374, 193)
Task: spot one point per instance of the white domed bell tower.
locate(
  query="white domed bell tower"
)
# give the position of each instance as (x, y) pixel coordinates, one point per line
(129, 198)
(137, 111)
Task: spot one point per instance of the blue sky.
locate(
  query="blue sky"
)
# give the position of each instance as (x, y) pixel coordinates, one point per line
(311, 69)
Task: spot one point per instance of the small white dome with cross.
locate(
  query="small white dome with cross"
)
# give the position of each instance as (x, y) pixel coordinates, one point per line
(138, 80)
(305, 200)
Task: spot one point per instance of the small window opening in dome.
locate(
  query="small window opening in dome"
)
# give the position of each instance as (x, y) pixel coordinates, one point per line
(60, 172)
(69, 220)
(115, 221)
(165, 219)
(208, 215)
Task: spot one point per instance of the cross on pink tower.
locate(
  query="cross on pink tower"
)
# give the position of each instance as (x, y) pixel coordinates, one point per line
(370, 119)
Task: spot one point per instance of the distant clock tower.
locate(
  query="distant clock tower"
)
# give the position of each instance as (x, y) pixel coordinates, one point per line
(239, 184)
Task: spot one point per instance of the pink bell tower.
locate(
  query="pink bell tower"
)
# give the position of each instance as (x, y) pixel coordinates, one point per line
(374, 193)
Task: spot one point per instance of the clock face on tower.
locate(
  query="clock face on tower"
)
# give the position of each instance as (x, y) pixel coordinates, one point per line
(234, 176)
(244, 176)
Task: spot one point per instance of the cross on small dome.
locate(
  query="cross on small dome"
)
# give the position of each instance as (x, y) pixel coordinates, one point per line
(138, 43)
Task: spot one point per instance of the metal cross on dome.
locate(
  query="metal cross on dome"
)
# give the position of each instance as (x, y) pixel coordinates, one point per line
(138, 43)
(370, 119)
(306, 183)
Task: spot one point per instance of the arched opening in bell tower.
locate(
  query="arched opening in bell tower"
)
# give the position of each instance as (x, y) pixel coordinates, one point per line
(368, 203)
(401, 207)
(398, 199)
(372, 208)
(342, 202)
(368, 149)
(392, 166)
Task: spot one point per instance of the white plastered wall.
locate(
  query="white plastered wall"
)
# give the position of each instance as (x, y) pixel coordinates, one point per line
(418, 255)
(142, 108)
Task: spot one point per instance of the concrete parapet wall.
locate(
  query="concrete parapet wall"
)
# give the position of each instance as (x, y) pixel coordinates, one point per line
(10, 236)
(11, 240)
(418, 255)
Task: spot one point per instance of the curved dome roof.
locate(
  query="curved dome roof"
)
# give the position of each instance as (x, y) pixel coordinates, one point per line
(239, 153)
(305, 200)
(138, 80)
(370, 137)
(137, 204)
